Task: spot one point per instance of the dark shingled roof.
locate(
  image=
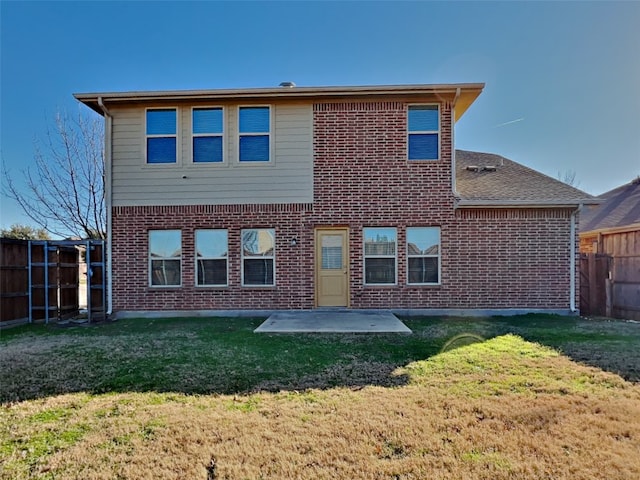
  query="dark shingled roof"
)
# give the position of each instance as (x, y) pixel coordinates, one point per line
(620, 207)
(486, 178)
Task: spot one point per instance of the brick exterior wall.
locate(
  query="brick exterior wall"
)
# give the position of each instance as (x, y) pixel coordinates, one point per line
(131, 290)
(491, 258)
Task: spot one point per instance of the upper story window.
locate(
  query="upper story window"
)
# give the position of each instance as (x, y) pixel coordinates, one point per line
(208, 131)
(211, 257)
(161, 133)
(380, 256)
(254, 129)
(424, 132)
(165, 258)
(423, 255)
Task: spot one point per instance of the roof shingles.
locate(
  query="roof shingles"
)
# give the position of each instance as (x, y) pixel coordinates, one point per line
(506, 181)
(620, 208)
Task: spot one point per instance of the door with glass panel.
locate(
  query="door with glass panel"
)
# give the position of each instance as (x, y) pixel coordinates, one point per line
(332, 267)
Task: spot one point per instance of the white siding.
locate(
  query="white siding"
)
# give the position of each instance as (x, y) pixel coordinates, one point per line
(287, 179)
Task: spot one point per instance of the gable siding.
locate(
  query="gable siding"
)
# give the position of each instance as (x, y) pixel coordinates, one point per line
(288, 179)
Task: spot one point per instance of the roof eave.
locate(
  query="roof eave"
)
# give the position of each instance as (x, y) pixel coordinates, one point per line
(622, 229)
(468, 93)
(463, 203)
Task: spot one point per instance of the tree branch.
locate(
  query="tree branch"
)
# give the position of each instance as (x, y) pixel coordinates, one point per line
(64, 189)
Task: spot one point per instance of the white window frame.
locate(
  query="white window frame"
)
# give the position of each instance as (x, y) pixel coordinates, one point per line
(438, 256)
(271, 257)
(365, 256)
(150, 260)
(256, 134)
(418, 132)
(197, 259)
(222, 135)
(176, 135)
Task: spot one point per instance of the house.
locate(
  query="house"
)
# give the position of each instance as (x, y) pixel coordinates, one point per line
(619, 213)
(610, 244)
(312, 197)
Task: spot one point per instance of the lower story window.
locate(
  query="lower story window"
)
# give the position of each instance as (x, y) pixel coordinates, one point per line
(211, 257)
(258, 257)
(165, 258)
(380, 256)
(423, 255)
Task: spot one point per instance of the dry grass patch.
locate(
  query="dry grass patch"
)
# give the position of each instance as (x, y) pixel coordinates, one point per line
(501, 409)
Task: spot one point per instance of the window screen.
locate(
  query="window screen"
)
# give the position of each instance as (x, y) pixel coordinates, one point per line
(207, 134)
(424, 132)
(380, 256)
(161, 130)
(423, 255)
(165, 257)
(254, 134)
(211, 257)
(258, 257)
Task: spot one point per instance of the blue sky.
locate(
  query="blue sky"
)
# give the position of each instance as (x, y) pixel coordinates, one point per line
(562, 79)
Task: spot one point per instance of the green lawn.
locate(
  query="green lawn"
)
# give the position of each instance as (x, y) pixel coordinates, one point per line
(529, 397)
(223, 355)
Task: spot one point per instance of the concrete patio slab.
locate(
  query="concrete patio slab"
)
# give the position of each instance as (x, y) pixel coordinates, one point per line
(333, 321)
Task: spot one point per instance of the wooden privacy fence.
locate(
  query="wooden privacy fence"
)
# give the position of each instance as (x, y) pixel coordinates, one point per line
(610, 285)
(40, 280)
(14, 281)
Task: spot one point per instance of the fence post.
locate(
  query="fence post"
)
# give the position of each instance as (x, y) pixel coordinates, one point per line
(30, 282)
(46, 282)
(103, 279)
(89, 281)
(593, 284)
(608, 287)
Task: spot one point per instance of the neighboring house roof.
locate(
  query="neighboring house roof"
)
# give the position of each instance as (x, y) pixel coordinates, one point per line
(463, 94)
(490, 179)
(620, 207)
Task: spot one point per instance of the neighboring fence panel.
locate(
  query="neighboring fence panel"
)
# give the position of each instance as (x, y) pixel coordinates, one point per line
(96, 280)
(610, 285)
(54, 280)
(625, 287)
(68, 281)
(14, 281)
(40, 280)
(41, 277)
(594, 271)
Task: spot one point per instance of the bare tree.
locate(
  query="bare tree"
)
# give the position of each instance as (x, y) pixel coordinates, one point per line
(569, 177)
(64, 191)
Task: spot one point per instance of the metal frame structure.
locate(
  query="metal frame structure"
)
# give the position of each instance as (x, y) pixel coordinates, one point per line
(49, 245)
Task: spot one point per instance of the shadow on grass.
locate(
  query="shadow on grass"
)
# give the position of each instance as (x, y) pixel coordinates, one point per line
(224, 356)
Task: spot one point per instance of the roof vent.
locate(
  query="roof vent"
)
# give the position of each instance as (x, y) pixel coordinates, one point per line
(489, 168)
(473, 168)
(287, 84)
